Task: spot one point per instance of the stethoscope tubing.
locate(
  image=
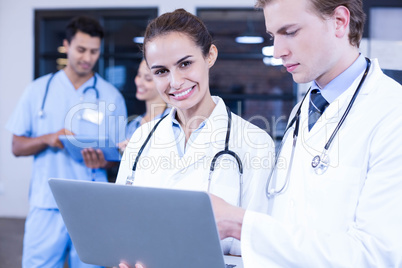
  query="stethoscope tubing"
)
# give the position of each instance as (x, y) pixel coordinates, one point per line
(41, 111)
(229, 152)
(213, 162)
(345, 114)
(296, 119)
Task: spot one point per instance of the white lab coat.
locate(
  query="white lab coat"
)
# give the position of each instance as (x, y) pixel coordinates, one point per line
(349, 216)
(161, 166)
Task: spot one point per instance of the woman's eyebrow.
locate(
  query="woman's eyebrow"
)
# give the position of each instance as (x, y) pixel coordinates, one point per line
(177, 63)
(182, 59)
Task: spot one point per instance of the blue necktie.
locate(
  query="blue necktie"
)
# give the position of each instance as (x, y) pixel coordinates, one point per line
(317, 106)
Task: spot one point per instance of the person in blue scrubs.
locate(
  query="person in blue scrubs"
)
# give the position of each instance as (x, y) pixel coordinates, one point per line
(155, 106)
(70, 106)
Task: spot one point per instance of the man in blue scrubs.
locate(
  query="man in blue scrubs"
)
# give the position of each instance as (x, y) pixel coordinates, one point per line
(76, 101)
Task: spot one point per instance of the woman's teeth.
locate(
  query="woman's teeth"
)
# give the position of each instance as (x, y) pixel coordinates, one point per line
(183, 93)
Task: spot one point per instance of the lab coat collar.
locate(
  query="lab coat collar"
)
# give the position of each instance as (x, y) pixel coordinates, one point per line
(336, 109)
(210, 139)
(214, 129)
(216, 124)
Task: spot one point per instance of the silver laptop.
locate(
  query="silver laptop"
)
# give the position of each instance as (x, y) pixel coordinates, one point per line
(160, 228)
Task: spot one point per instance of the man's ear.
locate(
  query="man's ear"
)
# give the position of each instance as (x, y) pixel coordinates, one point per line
(66, 44)
(212, 55)
(342, 19)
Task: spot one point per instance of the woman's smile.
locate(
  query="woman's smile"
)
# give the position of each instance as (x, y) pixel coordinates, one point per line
(184, 94)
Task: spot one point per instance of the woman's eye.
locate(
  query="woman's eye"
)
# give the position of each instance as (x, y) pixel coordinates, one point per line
(161, 71)
(185, 64)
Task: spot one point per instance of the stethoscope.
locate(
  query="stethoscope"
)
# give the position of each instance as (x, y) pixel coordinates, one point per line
(130, 178)
(320, 162)
(41, 112)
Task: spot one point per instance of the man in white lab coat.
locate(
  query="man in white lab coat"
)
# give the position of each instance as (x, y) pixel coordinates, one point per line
(345, 215)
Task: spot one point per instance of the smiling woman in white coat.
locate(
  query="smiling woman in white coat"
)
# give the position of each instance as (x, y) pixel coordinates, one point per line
(179, 51)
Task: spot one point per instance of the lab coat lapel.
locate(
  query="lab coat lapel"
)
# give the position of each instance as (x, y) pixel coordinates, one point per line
(326, 124)
(329, 120)
(164, 146)
(211, 138)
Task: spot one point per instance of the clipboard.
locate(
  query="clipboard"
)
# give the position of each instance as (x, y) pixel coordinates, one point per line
(74, 144)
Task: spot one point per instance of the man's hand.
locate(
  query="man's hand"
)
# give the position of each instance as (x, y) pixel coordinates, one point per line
(53, 140)
(94, 158)
(229, 219)
(24, 146)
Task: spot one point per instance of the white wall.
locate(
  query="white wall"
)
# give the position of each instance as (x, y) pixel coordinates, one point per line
(16, 72)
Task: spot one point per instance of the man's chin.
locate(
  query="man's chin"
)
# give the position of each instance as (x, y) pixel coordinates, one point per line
(300, 79)
(85, 73)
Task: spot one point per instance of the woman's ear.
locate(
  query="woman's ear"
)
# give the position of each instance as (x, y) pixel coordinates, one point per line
(342, 19)
(212, 55)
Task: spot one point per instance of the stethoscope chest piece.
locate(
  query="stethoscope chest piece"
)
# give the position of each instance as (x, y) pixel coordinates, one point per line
(320, 163)
(41, 114)
(316, 161)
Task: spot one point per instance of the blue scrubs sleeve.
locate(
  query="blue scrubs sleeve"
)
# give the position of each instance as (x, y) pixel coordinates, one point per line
(20, 122)
(121, 114)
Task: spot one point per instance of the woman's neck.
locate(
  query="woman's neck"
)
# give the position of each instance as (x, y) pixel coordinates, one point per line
(191, 119)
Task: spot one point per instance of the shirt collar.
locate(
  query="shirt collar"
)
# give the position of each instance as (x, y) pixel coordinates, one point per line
(343, 81)
(176, 124)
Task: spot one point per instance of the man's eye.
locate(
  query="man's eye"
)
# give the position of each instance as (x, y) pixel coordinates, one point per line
(291, 33)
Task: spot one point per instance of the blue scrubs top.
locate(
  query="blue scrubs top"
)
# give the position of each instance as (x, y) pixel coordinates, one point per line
(64, 108)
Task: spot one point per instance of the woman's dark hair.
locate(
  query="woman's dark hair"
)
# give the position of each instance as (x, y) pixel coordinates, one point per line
(83, 24)
(179, 21)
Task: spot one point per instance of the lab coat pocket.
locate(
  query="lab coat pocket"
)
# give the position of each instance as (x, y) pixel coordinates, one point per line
(335, 195)
(225, 180)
